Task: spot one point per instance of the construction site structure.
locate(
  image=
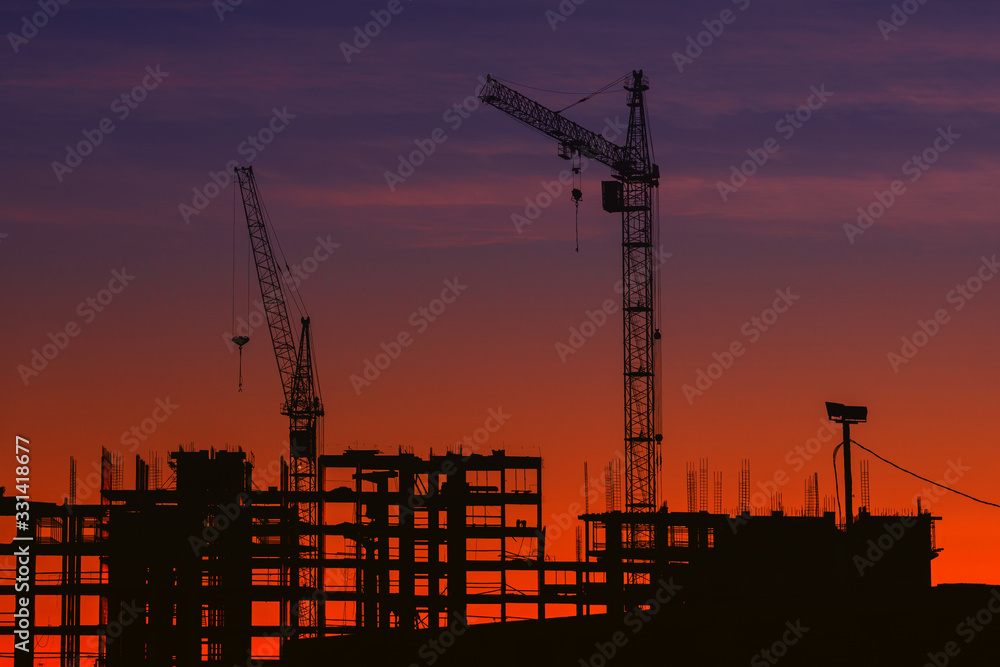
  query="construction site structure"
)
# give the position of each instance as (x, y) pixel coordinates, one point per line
(196, 571)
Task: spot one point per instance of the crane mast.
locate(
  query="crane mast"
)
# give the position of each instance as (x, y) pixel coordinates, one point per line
(304, 410)
(631, 194)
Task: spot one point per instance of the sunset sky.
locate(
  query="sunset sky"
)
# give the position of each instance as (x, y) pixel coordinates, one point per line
(161, 96)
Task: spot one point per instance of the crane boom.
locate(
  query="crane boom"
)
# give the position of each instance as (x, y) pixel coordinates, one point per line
(631, 194)
(574, 136)
(302, 406)
(269, 278)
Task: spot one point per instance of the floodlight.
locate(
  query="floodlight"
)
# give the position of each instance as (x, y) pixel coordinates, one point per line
(854, 414)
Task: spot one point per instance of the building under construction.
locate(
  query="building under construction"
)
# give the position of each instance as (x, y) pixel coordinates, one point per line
(200, 568)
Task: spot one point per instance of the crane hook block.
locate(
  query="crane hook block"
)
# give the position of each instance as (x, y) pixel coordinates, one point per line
(577, 194)
(241, 340)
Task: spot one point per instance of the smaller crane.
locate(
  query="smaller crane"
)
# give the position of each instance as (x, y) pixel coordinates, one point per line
(302, 406)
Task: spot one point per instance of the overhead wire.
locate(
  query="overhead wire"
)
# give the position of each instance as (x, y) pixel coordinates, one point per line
(910, 472)
(836, 481)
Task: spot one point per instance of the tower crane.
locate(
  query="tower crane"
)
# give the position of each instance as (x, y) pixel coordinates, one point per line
(302, 406)
(632, 195)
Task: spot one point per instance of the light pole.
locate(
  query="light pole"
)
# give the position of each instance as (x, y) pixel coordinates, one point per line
(847, 415)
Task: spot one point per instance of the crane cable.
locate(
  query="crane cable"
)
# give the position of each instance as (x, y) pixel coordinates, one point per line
(657, 301)
(599, 91)
(547, 90)
(577, 177)
(577, 195)
(239, 339)
(236, 336)
(297, 301)
(233, 325)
